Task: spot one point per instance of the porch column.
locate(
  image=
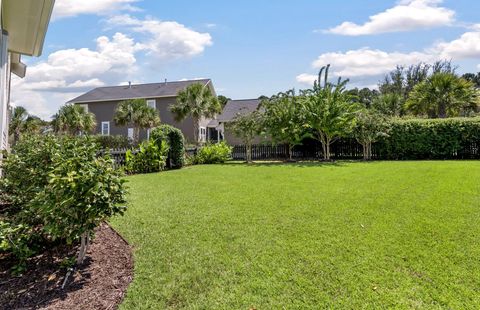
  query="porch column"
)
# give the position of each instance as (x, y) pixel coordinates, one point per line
(4, 91)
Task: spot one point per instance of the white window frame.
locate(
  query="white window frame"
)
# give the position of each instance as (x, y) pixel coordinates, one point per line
(130, 133)
(148, 134)
(85, 106)
(202, 135)
(152, 103)
(108, 128)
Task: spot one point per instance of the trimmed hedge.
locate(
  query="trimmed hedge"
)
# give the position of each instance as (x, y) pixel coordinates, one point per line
(430, 139)
(176, 144)
(113, 142)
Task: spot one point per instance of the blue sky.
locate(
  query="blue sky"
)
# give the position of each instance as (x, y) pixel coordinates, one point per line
(248, 48)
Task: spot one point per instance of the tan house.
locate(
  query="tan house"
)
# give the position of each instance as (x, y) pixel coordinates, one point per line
(103, 102)
(23, 25)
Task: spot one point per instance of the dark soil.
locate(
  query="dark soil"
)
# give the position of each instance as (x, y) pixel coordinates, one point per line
(100, 283)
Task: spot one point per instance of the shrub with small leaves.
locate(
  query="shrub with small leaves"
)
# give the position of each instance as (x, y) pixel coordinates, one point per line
(150, 157)
(213, 154)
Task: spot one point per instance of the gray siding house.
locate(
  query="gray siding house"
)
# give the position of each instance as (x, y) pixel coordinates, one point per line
(103, 102)
(232, 109)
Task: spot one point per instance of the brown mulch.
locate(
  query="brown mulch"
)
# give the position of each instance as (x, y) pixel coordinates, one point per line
(100, 283)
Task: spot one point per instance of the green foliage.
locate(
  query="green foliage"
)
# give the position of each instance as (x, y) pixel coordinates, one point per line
(175, 142)
(443, 95)
(247, 127)
(389, 104)
(213, 154)
(58, 188)
(329, 111)
(113, 142)
(73, 119)
(428, 138)
(196, 101)
(151, 157)
(369, 127)
(283, 119)
(137, 114)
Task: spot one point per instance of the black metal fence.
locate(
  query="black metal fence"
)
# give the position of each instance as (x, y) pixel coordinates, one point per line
(349, 149)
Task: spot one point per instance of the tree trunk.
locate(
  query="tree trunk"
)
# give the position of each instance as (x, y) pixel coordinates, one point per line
(327, 149)
(365, 152)
(442, 110)
(290, 148)
(249, 152)
(83, 248)
(195, 130)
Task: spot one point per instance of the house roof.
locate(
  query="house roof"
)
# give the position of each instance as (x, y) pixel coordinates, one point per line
(135, 91)
(236, 107)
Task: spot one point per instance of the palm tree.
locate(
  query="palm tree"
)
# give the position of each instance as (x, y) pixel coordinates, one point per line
(137, 114)
(73, 120)
(443, 95)
(196, 101)
(17, 122)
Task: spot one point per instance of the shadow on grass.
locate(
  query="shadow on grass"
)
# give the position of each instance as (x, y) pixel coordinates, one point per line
(300, 164)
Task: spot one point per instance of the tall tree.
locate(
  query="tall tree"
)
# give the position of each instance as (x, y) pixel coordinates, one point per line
(223, 100)
(329, 110)
(247, 127)
(284, 121)
(137, 114)
(73, 119)
(196, 101)
(472, 77)
(443, 95)
(17, 122)
(369, 127)
(389, 104)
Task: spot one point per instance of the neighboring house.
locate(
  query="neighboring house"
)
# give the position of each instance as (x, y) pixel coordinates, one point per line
(103, 102)
(24, 24)
(232, 109)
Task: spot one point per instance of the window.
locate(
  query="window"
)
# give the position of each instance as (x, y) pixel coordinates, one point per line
(148, 134)
(151, 103)
(85, 106)
(130, 133)
(203, 134)
(105, 128)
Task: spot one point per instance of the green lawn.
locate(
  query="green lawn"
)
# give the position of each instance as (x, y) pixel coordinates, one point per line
(345, 235)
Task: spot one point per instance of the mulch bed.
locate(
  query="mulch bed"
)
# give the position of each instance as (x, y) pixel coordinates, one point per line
(100, 283)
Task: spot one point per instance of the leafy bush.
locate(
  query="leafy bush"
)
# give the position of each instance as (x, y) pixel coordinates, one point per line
(113, 142)
(151, 157)
(429, 138)
(175, 142)
(59, 190)
(213, 154)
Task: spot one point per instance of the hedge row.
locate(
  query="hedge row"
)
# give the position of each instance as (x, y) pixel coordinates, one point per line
(431, 139)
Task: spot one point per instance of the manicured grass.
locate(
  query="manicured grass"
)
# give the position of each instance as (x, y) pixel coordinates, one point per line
(345, 235)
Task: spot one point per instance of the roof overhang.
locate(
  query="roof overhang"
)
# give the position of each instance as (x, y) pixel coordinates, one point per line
(26, 22)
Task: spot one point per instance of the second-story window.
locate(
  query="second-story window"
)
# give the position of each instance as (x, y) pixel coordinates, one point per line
(151, 103)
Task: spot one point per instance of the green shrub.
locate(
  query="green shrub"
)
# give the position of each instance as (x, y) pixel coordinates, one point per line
(113, 142)
(213, 154)
(429, 138)
(175, 141)
(59, 190)
(151, 157)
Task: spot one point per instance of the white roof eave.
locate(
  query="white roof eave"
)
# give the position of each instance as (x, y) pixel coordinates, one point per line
(26, 22)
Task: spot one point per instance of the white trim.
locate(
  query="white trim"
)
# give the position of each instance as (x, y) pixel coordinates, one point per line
(108, 129)
(152, 103)
(4, 89)
(85, 106)
(148, 134)
(202, 137)
(130, 133)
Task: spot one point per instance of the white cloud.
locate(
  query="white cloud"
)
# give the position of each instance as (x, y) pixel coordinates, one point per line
(165, 39)
(467, 46)
(405, 16)
(306, 78)
(67, 73)
(367, 63)
(71, 8)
